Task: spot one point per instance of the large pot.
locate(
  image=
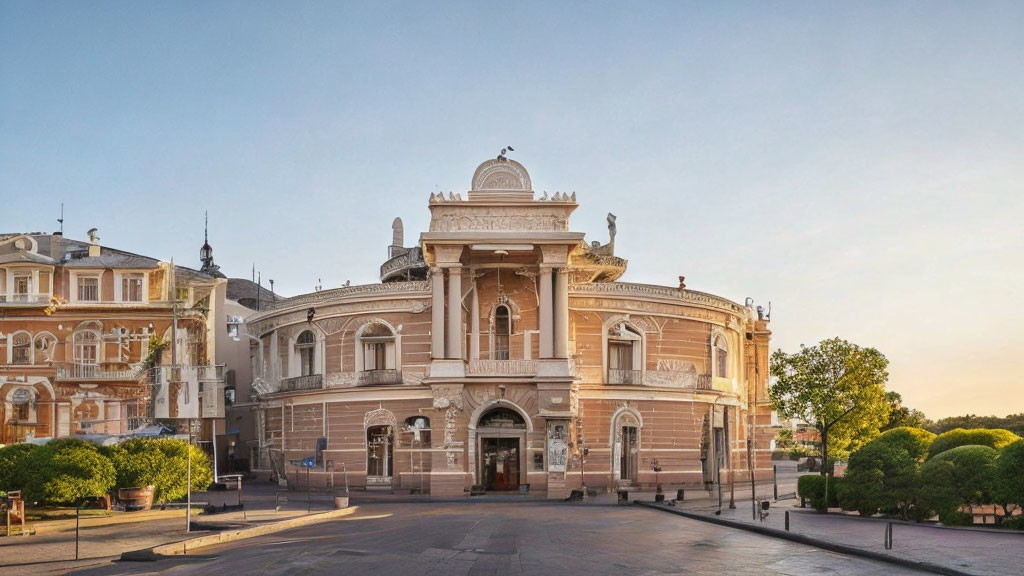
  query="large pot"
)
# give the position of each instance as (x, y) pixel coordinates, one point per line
(136, 498)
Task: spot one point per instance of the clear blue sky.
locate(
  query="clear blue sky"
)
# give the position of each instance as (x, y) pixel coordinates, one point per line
(860, 166)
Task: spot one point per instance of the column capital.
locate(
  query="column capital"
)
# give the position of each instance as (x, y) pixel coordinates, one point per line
(455, 270)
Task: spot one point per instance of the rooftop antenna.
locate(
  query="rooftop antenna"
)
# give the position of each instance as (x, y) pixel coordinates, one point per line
(61, 219)
(206, 227)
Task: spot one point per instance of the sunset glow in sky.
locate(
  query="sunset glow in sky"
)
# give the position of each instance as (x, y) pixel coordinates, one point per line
(860, 167)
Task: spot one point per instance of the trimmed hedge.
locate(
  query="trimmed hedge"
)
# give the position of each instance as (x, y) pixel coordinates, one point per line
(65, 470)
(12, 466)
(1010, 478)
(812, 487)
(884, 474)
(962, 475)
(995, 438)
(161, 462)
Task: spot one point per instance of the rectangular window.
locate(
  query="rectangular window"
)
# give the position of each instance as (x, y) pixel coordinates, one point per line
(181, 293)
(89, 289)
(44, 282)
(22, 287)
(620, 356)
(131, 288)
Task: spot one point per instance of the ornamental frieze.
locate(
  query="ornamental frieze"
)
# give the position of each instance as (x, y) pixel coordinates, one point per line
(477, 218)
(648, 290)
(647, 307)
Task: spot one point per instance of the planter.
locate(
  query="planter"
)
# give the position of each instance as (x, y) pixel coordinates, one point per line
(136, 498)
(341, 502)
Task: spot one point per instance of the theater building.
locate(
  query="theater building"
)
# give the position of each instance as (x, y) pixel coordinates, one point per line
(500, 352)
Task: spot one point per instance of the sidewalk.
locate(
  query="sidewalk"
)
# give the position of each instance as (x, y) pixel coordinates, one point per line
(105, 538)
(975, 551)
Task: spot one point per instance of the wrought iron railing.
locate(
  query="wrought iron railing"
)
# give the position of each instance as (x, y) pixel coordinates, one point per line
(704, 382)
(377, 377)
(95, 372)
(309, 382)
(629, 377)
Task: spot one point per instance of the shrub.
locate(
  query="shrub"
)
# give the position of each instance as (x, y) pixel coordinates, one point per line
(162, 462)
(12, 466)
(1009, 481)
(884, 474)
(812, 487)
(993, 438)
(962, 475)
(1015, 523)
(66, 470)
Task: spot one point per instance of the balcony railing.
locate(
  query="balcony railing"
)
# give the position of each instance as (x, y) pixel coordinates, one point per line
(24, 299)
(501, 368)
(378, 377)
(703, 382)
(628, 377)
(95, 372)
(310, 382)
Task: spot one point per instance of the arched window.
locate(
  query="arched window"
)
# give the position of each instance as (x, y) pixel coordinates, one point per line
(87, 353)
(419, 426)
(721, 357)
(45, 345)
(21, 348)
(625, 358)
(377, 362)
(502, 418)
(502, 332)
(306, 347)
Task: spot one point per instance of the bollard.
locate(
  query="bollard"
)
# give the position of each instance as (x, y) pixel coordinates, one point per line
(888, 536)
(775, 481)
(679, 494)
(787, 520)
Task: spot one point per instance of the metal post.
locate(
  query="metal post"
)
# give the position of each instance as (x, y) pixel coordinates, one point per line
(787, 520)
(188, 480)
(775, 481)
(888, 536)
(78, 514)
(308, 505)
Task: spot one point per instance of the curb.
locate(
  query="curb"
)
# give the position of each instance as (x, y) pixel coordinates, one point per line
(800, 539)
(184, 546)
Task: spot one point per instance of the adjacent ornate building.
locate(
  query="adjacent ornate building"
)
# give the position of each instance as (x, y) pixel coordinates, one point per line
(501, 351)
(87, 344)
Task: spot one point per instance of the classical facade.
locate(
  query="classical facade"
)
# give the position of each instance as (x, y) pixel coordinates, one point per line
(501, 351)
(87, 340)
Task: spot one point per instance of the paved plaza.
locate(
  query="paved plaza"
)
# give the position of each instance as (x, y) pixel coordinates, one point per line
(510, 538)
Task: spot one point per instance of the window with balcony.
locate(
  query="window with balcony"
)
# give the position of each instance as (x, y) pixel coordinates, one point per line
(89, 289)
(87, 352)
(625, 360)
(377, 358)
(305, 345)
(21, 348)
(502, 332)
(131, 287)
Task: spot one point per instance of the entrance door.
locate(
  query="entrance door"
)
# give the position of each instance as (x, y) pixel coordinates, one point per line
(627, 459)
(500, 463)
(378, 456)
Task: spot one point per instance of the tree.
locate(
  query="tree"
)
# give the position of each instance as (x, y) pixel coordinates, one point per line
(885, 474)
(901, 416)
(836, 387)
(959, 476)
(65, 470)
(1009, 488)
(12, 466)
(993, 438)
(162, 463)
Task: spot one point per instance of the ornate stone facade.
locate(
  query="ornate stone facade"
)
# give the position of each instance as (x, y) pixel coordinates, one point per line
(515, 356)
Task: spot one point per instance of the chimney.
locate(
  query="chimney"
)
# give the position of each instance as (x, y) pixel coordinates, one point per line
(57, 246)
(94, 242)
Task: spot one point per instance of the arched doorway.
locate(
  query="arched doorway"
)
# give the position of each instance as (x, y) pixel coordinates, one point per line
(380, 440)
(626, 425)
(501, 433)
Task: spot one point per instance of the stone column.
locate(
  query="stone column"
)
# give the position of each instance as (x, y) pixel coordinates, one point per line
(561, 345)
(455, 312)
(546, 317)
(437, 313)
(474, 316)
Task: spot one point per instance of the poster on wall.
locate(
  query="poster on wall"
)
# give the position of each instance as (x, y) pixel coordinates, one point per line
(177, 393)
(558, 445)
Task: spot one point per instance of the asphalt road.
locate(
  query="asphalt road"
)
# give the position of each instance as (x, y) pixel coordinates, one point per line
(510, 538)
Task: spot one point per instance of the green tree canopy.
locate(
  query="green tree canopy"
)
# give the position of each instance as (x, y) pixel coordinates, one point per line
(993, 438)
(884, 474)
(12, 466)
(959, 476)
(901, 416)
(1014, 423)
(162, 463)
(65, 470)
(1010, 476)
(836, 387)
